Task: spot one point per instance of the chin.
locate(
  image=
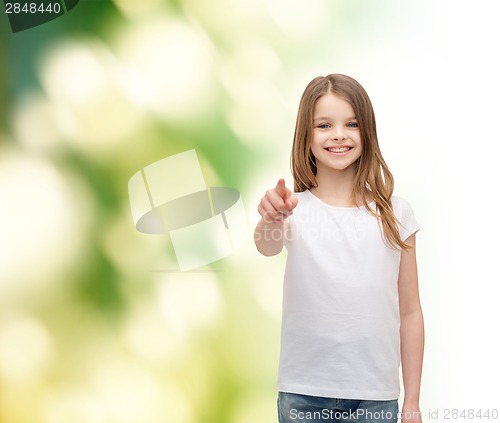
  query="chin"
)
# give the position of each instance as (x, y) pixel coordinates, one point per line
(340, 166)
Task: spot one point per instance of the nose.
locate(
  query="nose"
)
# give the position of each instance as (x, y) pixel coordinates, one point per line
(338, 133)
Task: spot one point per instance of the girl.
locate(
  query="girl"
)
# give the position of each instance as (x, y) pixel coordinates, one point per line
(351, 308)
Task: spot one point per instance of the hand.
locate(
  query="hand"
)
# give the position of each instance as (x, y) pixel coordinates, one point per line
(278, 203)
(411, 414)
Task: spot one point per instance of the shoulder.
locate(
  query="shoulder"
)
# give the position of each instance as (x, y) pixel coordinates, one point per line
(403, 211)
(303, 197)
(305, 206)
(400, 204)
(302, 194)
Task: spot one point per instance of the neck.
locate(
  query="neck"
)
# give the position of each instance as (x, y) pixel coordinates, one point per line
(335, 186)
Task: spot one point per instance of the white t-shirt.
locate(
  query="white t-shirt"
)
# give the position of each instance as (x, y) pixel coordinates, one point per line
(340, 325)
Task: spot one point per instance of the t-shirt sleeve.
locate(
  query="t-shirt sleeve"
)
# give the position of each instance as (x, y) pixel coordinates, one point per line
(408, 223)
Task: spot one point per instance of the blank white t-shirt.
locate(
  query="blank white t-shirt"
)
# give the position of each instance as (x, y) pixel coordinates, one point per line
(340, 323)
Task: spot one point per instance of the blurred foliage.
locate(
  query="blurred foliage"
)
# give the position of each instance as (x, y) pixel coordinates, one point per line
(100, 329)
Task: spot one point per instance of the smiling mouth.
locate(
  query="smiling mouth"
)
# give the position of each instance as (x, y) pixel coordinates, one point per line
(338, 149)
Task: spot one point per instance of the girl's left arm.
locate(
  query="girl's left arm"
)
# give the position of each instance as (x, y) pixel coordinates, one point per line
(412, 333)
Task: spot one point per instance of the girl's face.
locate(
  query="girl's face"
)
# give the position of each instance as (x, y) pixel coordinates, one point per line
(336, 142)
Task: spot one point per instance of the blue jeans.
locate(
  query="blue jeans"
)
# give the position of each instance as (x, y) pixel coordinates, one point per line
(297, 408)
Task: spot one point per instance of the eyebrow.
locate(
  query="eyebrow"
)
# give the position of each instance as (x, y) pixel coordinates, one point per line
(327, 118)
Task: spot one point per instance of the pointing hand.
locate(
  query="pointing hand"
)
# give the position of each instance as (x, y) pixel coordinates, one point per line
(278, 203)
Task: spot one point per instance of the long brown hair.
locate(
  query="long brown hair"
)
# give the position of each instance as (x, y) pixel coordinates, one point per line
(372, 173)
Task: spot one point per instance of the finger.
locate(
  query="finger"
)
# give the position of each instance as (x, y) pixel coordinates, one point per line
(271, 217)
(268, 211)
(265, 215)
(276, 201)
(291, 202)
(281, 187)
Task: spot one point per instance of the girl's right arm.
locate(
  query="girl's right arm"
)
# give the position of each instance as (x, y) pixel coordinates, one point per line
(274, 207)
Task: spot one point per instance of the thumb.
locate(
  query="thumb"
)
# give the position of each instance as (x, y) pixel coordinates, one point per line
(291, 201)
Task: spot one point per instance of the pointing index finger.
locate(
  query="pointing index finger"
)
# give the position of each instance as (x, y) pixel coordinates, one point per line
(281, 187)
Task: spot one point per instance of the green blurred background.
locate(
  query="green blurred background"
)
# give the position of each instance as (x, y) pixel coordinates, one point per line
(97, 325)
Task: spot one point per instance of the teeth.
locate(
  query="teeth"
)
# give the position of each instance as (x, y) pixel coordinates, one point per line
(338, 150)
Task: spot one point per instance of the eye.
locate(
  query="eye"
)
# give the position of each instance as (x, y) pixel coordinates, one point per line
(323, 126)
(353, 125)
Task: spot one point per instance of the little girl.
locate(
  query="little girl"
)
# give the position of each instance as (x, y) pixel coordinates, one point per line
(351, 308)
